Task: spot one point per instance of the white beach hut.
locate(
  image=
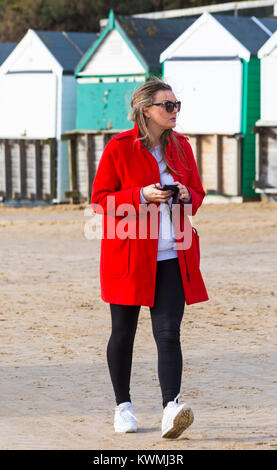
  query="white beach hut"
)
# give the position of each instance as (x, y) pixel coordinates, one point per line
(266, 126)
(214, 70)
(38, 104)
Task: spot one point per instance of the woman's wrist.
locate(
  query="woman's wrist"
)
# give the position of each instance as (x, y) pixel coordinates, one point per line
(188, 199)
(142, 198)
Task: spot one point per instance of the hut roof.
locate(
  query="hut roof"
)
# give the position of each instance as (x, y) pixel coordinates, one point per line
(247, 31)
(67, 47)
(269, 23)
(5, 49)
(270, 45)
(152, 36)
(251, 32)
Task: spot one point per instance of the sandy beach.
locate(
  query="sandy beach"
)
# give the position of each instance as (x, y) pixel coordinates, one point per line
(55, 389)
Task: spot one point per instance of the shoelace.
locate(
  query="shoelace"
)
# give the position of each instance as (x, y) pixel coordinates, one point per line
(126, 411)
(176, 399)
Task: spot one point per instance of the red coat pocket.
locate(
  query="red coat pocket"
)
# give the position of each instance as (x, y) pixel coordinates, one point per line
(115, 257)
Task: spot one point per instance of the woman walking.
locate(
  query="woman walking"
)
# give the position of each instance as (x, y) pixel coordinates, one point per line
(149, 271)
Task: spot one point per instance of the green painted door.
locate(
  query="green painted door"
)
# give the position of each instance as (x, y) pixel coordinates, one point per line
(250, 114)
(105, 105)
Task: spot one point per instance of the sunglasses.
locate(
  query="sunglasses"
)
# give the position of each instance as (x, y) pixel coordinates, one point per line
(169, 105)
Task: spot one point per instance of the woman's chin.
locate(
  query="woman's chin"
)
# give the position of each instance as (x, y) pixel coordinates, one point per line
(170, 125)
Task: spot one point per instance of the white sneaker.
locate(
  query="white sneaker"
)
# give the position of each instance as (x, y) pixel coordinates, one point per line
(124, 418)
(176, 418)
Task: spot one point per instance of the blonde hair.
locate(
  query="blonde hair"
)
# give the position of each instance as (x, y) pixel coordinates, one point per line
(143, 97)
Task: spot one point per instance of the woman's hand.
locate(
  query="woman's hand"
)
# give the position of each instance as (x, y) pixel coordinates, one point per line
(184, 193)
(153, 194)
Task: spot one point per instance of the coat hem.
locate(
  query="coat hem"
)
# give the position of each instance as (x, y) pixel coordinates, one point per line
(118, 302)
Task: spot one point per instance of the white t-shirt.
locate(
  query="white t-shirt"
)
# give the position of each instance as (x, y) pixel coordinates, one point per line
(166, 231)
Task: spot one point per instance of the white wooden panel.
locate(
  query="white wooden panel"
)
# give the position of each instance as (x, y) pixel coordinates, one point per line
(82, 166)
(99, 145)
(268, 171)
(30, 156)
(269, 88)
(209, 163)
(210, 92)
(229, 166)
(113, 57)
(28, 105)
(62, 170)
(2, 168)
(46, 169)
(15, 167)
(193, 143)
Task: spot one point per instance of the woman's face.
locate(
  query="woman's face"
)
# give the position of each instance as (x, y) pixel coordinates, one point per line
(158, 114)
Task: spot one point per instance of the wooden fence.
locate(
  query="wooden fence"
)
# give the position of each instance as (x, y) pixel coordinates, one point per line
(85, 149)
(28, 169)
(266, 159)
(218, 159)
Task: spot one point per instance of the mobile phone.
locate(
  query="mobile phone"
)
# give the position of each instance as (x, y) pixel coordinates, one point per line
(175, 189)
(171, 187)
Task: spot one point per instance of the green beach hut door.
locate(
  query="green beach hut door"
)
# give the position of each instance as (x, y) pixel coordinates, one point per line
(249, 115)
(107, 77)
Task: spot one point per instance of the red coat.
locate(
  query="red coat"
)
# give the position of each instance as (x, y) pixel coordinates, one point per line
(128, 266)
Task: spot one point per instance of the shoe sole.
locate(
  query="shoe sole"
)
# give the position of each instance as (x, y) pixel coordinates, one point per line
(127, 431)
(181, 422)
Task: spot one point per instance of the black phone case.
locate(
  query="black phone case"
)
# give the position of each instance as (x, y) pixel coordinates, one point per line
(171, 187)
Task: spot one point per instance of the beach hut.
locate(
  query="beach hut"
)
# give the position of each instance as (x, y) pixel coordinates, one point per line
(38, 104)
(215, 72)
(266, 126)
(126, 54)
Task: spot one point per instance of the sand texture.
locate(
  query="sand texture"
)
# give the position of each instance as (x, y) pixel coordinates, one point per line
(55, 389)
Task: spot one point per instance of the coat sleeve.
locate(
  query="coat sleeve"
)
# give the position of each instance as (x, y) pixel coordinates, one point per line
(107, 182)
(194, 184)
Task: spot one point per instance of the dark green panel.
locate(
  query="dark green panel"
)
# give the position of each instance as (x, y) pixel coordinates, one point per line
(250, 114)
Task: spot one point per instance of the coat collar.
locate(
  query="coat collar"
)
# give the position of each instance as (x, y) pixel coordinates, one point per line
(135, 134)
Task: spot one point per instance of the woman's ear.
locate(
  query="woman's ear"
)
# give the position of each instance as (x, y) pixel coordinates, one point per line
(146, 112)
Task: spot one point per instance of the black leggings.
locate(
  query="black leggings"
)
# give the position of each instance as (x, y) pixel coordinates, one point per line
(166, 316)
